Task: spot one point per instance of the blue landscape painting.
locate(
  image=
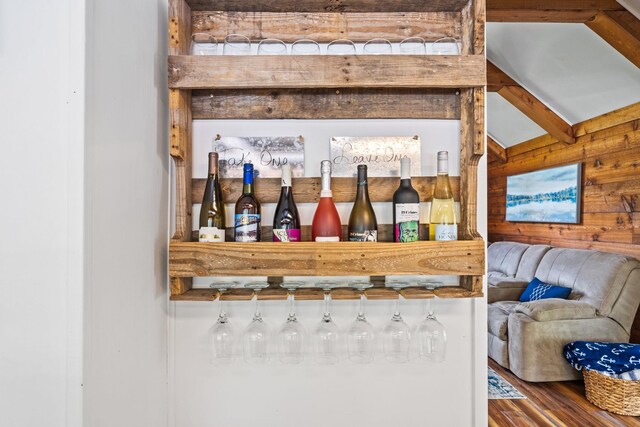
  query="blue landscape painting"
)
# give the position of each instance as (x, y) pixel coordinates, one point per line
(550, 195)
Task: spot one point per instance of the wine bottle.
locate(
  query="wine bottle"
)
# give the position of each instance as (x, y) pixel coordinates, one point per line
(326, 226)
(247, 220)
(212, 221)
(443, 224)
(406, 207)
(286, 221)
(363, 226)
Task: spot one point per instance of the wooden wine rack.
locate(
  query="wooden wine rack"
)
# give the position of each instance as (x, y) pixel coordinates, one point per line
(327, 87)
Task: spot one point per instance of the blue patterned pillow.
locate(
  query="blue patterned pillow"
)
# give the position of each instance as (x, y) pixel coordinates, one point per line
(537, 289)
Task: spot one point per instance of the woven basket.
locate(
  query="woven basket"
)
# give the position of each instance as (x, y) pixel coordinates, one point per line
(612, 394)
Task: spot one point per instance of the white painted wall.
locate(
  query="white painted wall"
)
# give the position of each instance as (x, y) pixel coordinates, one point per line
(380, 394)
(126, 165)
(41, 182)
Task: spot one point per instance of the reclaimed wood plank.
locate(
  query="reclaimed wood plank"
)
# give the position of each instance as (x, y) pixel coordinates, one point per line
(576, 16)
(325, 27)
(346, 103)
(326, 71)
(328, 5)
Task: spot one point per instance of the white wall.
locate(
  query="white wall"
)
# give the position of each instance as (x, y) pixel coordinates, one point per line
(381, 394)
(126, 166)
(41, 182)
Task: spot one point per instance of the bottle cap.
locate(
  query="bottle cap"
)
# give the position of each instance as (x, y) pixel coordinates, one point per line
(286, 175)
(213, 162)
(443, 162)
(248, 167)
(325, 166)
(405, 168)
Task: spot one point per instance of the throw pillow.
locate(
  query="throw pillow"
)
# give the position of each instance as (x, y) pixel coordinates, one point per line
(537, 289)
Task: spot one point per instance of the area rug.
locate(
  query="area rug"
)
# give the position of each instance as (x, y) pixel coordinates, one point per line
(499, 388)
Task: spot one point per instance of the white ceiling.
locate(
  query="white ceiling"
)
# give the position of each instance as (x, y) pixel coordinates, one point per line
(567, 66)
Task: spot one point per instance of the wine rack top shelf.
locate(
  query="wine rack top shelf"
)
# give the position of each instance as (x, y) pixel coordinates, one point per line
(327, 5)
(326, 71)
(193, 259)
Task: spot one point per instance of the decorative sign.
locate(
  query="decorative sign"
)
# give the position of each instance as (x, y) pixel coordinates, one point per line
(267, 153)
(381, 154)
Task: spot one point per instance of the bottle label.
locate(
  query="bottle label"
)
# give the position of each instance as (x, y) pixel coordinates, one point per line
(211, 234)
(246, 226)
(446, 232)
(407, 222)
(328, 239)
(366, 236)
(286, 235)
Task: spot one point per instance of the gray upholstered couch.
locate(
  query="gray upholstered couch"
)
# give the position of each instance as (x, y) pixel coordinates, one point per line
(527, 338)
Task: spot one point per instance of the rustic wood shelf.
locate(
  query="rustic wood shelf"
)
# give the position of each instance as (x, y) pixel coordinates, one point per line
(326, 71)
(306, 294)
(193, 259)
(327, 5)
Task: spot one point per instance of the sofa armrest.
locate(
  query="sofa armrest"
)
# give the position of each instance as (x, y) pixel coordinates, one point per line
(505, 289)
(556, 309)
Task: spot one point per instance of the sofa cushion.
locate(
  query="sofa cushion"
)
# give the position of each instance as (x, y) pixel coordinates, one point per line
(507, 282)
(595, 277)
(498, 316)
(537, 290)
(556, 309)
(504, 257)
(530, 261)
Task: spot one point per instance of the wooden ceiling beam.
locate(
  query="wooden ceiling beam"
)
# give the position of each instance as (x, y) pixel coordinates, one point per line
(525, 101)
(496, 150)
(570, 11)
(621, 35)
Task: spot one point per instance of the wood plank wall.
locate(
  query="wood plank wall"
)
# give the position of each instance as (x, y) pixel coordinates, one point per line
(609, 148)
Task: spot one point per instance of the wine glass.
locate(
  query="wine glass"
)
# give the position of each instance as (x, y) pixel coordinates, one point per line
(445, 46)
(326, 336)
(203, 44)
(396, 333)
(222, 333)
(272, 47)
(413, 46)
(430, 334)
(341, 47)
(236, 44)
(305, 47)
(361, 336)
(377, 47)
(256, 336)
(291, 335)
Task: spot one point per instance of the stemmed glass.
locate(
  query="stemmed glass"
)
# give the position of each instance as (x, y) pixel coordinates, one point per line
(412, 46)
(305, 47)
(430, 334)
(236, 44)
(377, 47)
(291, 335)
(222, 334)
(341, 47)
(445, 46)
(326, 337)
(272, 47)
(396, 333)
(256, 336)
(203, 44)
(361, 336)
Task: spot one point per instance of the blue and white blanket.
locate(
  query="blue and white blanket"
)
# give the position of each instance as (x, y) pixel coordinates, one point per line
(611, 359)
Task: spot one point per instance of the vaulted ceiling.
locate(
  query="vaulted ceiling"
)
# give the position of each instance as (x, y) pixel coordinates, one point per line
(546, 76)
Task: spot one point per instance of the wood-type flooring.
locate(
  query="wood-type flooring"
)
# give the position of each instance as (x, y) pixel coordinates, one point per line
(550, 404)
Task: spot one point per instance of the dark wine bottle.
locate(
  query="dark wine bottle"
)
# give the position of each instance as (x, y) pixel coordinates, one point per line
(286, 221)
(247, 220)
(326, 225)
(406, 207)
(212, 221)
(363, 226)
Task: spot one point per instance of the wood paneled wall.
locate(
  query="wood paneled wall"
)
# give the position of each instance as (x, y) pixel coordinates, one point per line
(609, 148)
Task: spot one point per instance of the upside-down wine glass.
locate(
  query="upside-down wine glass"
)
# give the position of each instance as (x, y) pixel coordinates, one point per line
(377, 47)
(430, 334)
(291, 335)
(396, 333)
(222, 333)
(326, 336)
(236, 44)
(341, 47)
(445, 46)
(272, 47)
(412, 46)
(256, 336)
(305, 47)
(203, 44)
(361, 336)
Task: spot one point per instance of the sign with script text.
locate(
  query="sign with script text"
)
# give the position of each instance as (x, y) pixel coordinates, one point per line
(266, 153)
(381, 154)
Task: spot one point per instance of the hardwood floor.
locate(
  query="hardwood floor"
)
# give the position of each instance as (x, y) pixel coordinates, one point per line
(550, 404)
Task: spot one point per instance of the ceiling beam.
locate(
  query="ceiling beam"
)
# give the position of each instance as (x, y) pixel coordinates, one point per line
(496, 150)
(571, 11)
(526, 102)
(620, 33)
